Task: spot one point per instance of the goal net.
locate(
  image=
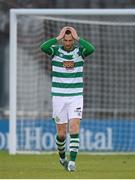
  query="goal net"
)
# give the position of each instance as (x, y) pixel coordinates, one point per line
(109, 76)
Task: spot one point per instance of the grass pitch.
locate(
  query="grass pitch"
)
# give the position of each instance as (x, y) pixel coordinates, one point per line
(47, 166)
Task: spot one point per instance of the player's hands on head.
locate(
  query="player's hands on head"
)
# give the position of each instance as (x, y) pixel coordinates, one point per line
(64, 29)
(62, 33)
(74, 33)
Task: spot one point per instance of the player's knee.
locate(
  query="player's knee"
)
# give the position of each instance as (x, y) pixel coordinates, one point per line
(74, 129)
(74, 126)
(62, 134)
(61, 131)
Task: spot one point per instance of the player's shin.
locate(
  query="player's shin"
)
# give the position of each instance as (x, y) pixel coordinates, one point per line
(74, 146)
(61, 143)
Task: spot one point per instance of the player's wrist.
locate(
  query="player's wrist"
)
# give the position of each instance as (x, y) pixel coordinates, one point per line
(57, 38)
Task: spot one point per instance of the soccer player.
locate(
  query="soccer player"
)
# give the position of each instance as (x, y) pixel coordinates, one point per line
(67, 88)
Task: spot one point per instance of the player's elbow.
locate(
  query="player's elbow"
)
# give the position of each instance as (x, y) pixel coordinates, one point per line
(91, 50)
(42, 47)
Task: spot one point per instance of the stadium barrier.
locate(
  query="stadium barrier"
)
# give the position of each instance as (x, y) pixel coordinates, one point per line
(114, 136)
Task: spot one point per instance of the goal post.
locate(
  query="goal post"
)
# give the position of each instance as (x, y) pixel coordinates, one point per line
(109, 78)
(12, 81)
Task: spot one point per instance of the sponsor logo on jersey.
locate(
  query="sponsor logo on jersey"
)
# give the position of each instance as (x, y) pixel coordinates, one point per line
(68, 64)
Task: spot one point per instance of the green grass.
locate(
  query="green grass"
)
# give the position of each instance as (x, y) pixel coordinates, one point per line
(47, 167)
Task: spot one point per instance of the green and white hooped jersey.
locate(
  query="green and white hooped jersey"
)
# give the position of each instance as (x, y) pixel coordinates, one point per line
(67, 81)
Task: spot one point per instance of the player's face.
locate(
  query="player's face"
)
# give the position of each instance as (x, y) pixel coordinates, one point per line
(68, 41)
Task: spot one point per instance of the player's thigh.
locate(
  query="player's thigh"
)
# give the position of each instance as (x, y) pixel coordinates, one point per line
(59, 110)
(75, 108)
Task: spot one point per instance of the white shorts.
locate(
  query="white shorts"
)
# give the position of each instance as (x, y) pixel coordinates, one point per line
(67, 108)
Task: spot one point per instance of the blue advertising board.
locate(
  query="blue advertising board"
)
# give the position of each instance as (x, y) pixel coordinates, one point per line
(95, 135)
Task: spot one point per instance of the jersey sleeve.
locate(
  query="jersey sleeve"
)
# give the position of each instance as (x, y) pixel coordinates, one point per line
(86, 47)
(48, 46)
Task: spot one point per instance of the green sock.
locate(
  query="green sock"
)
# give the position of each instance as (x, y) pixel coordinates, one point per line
(61, 143)
(74, 146)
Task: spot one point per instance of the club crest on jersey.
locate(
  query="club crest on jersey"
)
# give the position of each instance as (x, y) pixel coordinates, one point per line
(61, 55)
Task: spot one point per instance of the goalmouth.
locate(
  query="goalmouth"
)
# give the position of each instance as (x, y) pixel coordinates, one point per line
(109, 100)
